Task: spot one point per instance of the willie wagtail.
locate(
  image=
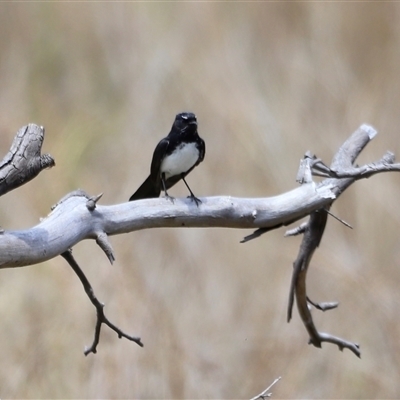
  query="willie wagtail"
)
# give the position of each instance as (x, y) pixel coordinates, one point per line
(174, 157)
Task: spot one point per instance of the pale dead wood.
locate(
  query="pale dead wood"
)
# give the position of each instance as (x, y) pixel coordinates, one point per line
(51, 237)
(78, 216)
(24, 162)
(313, 231)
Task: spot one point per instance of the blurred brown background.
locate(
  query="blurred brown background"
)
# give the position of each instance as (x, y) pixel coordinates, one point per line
(267, 81)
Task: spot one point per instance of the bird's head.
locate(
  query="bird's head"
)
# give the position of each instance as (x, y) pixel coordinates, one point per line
(184, 120)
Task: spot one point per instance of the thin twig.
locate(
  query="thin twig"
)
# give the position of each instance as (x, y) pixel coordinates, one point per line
(101, 318)
(325, 306)
(265, 393)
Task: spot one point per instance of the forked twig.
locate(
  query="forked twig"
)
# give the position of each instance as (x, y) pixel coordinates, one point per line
(86, 220)
(101, 318)
(314, 229)
(312, 237)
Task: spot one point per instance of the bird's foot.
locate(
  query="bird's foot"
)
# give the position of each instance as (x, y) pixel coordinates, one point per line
(195, 199)
(170, 198)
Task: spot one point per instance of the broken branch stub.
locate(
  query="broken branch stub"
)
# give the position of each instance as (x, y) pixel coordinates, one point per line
(24, 160)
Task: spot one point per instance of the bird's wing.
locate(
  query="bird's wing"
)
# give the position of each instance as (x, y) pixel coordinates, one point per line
(202, 151)
(158, 156)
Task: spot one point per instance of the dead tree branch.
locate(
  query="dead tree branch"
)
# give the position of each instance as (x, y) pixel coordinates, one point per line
(51, 238)
(77, 217)
(342, 165)
(24, 162)
(311, 240)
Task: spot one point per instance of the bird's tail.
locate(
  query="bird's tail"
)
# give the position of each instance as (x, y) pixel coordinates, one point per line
(147, 190)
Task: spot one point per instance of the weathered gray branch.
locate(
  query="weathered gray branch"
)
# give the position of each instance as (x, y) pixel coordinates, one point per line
(314, 230)
(77, 216)
(24, 162)
(72, 221)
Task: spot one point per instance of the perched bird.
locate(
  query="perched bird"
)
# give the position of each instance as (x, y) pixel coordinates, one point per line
(174, 157)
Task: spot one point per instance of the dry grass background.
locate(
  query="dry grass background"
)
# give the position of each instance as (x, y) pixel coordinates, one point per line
(268, 81)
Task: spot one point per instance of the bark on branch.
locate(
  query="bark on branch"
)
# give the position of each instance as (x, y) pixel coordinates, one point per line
(78, 216)
(73, 220)
(24, 162)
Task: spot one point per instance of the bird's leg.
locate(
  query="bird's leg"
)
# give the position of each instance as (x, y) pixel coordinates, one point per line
(192, 196)
(167, 196)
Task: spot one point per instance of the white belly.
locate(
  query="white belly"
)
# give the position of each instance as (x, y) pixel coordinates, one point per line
(181, 160)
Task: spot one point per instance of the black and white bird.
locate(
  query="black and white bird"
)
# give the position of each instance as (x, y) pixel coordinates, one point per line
(173, 158)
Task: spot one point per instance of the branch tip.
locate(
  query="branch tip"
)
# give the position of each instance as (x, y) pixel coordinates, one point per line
(296, 231)
(371, 131)
(47, 161)
(266, 393)
(304, 174)
(105, 245)
(324, 306)
(339, 219)
(389, 158)
(92, 201)
(341, 343)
